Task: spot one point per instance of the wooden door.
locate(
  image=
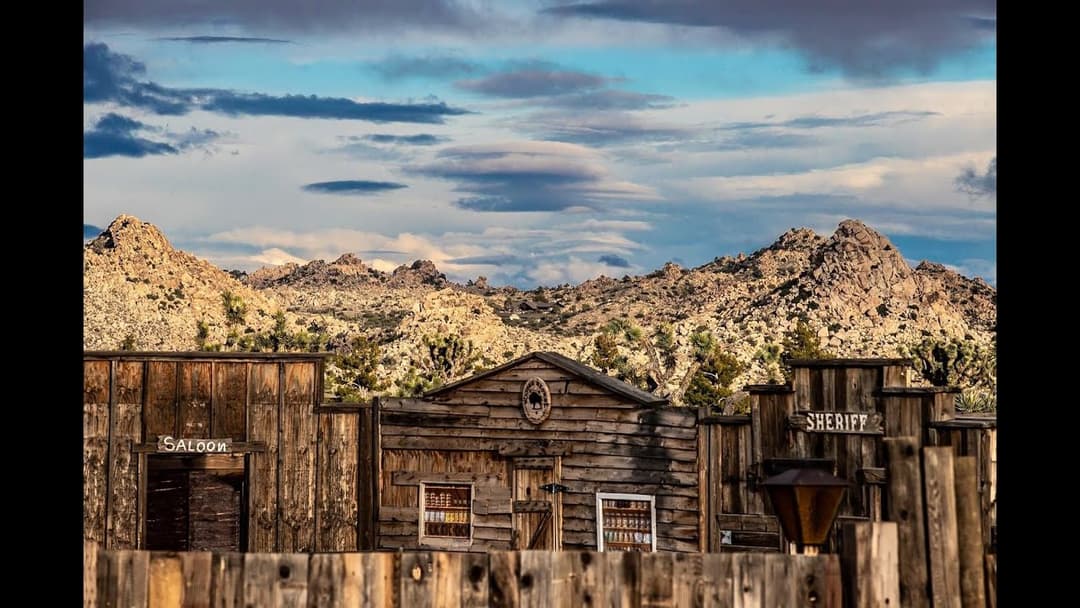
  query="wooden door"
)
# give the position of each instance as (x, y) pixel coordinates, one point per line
(537, 511)
(196, 503)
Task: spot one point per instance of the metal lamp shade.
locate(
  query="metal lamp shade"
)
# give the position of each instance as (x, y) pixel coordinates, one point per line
(806, 502)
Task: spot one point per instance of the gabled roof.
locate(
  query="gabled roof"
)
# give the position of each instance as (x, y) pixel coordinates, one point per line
(577, 368)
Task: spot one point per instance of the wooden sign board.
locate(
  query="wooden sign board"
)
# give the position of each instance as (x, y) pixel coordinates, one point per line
(843, 423)
(167, 444)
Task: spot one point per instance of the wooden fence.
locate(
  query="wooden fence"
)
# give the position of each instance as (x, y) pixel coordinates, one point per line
(135, 579)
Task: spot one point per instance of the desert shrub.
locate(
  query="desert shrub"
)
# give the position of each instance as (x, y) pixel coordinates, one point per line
(235, 308)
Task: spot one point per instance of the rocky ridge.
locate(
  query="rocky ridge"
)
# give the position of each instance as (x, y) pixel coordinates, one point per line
(853, 287)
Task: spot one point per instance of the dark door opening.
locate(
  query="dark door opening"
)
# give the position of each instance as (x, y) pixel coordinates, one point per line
(196, 503)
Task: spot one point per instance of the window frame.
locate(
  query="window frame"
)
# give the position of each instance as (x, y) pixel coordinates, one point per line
(445, 541)
(601, 515)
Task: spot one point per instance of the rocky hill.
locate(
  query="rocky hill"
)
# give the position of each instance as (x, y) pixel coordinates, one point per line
(853, 288)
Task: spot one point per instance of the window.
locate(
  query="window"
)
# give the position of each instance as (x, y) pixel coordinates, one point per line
(625, 522)
(445, 513)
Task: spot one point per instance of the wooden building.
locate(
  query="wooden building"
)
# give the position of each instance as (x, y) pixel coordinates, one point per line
(539, 447)
(229, 451)
(237, 451)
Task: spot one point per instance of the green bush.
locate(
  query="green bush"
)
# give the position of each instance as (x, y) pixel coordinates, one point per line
(235, 308)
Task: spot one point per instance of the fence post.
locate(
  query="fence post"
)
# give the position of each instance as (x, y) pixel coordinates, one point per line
(905, 507)
(90, 555)
(941, 526)
(970, 533)
(871, 565)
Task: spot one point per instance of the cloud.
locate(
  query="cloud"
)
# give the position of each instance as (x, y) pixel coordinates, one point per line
(873, 119)
(534, 79)
(971, 183)
(223, 39)
(864, 39)
(610, 99)
(614, 260)
(420, 139)
(398, 67)
(115, 77)
(531, 176)
(114, 135)
(603, 128)
(288, 15)
(357, 187)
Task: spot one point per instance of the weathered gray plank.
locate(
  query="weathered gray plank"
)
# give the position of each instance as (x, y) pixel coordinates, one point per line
(193, 399)
(942, 538)
(262, 477)
(296, 474)
(871, 565)
(90, 573)
(126, 579)
(276, 579)
(657, 580)
(474, 580)
(96, 383)
(969, 533)
(534, 579)
(905, 507)
(337, 504)
(230, 400)
(503, 567)
(748, 580)
(622, 579)
(416, 582)
(197, 568)
(126, 419)
(227, 580)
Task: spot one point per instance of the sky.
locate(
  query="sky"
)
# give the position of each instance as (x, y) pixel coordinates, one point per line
(541, 142)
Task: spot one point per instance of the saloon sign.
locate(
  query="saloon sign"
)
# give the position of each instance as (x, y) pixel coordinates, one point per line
(846, 423)
(170, 445)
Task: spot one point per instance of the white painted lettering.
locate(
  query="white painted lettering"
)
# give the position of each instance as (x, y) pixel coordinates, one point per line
(829, 421)
(170, 443)
(862, 421)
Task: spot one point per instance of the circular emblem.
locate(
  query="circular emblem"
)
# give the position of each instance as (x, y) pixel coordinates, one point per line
(536, 400)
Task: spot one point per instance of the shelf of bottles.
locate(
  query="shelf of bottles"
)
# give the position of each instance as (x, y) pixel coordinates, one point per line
(447, 511)
(627, 523)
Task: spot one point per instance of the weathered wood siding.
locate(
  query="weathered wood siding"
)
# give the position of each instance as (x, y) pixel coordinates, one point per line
(309, 482)
(601, 442)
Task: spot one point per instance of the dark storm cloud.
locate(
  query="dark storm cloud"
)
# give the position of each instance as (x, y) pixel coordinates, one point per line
(420, 139)
(614, 260)
(529, 176)
(865, 39)
(116, 135)
(115, 77)
(286, 15)
(971, 182)
(533, 79)
(224, 39)
(360, 187)
(397, 67)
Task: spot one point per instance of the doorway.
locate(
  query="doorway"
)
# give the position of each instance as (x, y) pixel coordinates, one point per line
(196, 503)
(537, 504)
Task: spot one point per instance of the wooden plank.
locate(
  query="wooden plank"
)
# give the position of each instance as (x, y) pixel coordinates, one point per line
(276, 579)
(969, 533)
(166, 581)
(622, 579)
(816, 581)
(296, 465)
(414, 478)
(781, 582)
(159, 413)
(229, 405)
(871, 566)
(336, 518)
(371, 579)
(90, 568)
(566, 578)
(687, 588)
(227, 580)
(991, 580)
(841, 423)
(416, 581)
(447, 584)
(262, 469)
(326, 580)
(941, 526)
(126, 578)
(716, 584)
(449, 421)
(126, 422)
(905, 507)
(503, 568)
(193, 399)
(474, 583)
(657, 580)
(96, 389)
(534, 579)
(748, 580)
(197, 570)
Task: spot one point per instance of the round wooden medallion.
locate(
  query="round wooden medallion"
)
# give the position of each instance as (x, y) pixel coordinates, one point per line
(536, 400)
